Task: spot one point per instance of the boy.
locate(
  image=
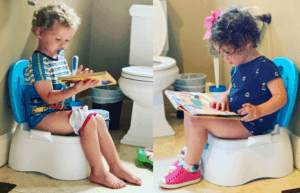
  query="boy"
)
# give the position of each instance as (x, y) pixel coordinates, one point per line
(55, 25)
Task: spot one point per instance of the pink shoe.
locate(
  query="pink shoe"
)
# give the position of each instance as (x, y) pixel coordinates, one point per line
(175, 164)
(179, 178)
(173, 167)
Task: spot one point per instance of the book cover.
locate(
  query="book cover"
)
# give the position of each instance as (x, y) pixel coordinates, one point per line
(197, 105)
(104, 77)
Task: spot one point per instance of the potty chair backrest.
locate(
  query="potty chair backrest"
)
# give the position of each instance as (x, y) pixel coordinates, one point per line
(16, 84)
(290, 76)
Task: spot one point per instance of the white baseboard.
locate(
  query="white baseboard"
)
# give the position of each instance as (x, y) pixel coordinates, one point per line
(5, 141)
(295, 140)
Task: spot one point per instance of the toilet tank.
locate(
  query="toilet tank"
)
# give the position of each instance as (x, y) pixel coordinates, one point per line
(141, 37)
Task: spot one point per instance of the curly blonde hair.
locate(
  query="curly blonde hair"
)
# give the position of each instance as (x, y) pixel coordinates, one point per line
(45, 16)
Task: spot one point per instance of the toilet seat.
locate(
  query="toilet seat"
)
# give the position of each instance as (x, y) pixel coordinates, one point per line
(139, 73)
(145, 73)
(161, 63)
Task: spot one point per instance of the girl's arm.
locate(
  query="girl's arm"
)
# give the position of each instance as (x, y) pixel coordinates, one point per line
(277, 101)
(228, 91)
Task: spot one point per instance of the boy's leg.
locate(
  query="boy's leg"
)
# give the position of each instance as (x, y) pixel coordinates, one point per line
(58, 123)
(109, 151)
(90, 143)
(198, 134)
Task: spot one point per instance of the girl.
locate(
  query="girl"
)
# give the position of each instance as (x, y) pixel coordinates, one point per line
(55, 25)
(256, 91)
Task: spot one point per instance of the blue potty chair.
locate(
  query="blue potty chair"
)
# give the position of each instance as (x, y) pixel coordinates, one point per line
(60, 157)
(236, 162)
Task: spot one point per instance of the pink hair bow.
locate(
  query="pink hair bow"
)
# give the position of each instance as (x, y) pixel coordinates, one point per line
(209, 20)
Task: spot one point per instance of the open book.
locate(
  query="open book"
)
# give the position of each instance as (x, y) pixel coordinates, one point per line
(197, 105)
(104, 77)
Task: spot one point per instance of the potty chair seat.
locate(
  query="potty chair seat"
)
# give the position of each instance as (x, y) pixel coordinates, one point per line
(60, 157)
(236, 162)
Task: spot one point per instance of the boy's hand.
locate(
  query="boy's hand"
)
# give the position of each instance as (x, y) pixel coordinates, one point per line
(253, 112)
(85, 71)
(83, 85)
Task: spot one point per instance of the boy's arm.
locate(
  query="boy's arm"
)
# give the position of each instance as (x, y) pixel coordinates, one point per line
(45, 89)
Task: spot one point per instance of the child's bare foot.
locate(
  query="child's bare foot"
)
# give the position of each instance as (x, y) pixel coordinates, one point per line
(107, 179)
(122, 173)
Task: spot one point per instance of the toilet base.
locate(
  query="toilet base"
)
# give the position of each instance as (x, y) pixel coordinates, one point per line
(161, 127)
(141, 127)
(147, 123)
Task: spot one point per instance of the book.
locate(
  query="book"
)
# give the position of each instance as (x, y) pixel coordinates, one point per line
(104, 77)
(197, 105)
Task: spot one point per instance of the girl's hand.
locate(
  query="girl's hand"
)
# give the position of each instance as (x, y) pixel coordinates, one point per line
(85, 71)
(221, 104)
(253, 112)
(81, 86)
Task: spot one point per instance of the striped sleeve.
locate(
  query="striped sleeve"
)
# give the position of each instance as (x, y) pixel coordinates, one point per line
(38, 67)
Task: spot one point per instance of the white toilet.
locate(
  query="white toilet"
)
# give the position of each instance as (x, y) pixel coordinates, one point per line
(148, 75)
(60, 157)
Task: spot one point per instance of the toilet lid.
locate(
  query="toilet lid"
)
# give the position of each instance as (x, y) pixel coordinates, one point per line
(159, 28)
(143, 73)
(161, 63)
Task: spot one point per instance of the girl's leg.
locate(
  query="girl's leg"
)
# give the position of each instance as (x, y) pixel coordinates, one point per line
(198, 134)
(108, 150)
(58, 123)
(187, 126)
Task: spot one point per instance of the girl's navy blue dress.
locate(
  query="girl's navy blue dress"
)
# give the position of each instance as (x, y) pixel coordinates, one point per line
(249, 85)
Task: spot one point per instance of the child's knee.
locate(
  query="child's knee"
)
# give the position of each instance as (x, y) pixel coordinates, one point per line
(90, 126)
(92, 121)
(199, 123)
(100, 120)
(187, 117)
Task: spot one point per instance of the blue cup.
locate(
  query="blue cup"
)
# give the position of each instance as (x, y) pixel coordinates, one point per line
(76, 103)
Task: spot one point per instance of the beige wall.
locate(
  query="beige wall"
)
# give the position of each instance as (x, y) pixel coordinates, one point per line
(186, 31)
(110, 36)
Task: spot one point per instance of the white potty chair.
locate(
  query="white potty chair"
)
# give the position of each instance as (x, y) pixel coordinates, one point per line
(236, 162)
(60, 157)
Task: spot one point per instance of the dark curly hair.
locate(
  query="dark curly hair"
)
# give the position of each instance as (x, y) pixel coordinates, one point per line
(235, 27)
